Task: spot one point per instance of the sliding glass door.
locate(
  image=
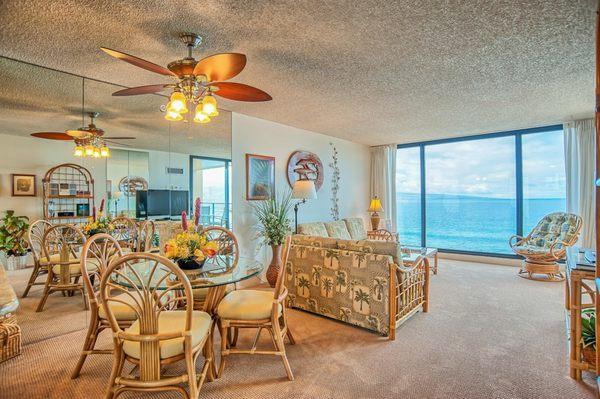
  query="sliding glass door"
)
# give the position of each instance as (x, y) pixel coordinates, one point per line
(211, 182)
(471, 194)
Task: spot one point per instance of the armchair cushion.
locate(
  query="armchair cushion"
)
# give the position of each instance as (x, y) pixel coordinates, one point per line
(390, 248)
(356, 228)
(313, 241)
(316, 229)
(556, 227)
(337, 230)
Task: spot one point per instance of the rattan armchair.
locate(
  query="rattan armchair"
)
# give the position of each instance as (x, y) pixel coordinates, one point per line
(126, 231)
(160, 336)
(546, 244)
(258, 310)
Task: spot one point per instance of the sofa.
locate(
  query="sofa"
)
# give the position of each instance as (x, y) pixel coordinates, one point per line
(335, 270)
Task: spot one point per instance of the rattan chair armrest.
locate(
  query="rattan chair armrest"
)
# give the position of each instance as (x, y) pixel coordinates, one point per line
(282, 296)
(419, 260)
(520, 240)
(554, 244)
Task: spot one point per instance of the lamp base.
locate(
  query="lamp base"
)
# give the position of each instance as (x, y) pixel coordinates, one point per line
(375, 219)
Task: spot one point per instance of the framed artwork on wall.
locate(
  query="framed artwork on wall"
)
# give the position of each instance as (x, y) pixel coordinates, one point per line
(260, 177)
(23, 185)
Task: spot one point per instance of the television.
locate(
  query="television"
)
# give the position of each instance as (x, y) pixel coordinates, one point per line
(160, 203)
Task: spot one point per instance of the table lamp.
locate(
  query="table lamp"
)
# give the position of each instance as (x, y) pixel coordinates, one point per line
(375, 207)
(303, 189)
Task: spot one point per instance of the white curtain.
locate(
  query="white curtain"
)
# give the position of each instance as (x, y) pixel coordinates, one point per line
(383, 180)
(580, 164)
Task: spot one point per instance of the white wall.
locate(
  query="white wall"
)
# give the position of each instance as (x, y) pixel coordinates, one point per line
(30, 155)
(258, 136)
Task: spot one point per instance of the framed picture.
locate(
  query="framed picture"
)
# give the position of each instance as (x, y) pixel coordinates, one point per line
(260, 177)
(23, 185)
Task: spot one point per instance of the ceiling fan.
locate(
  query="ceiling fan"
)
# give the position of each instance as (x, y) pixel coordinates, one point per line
(195, 81)
(89, 140)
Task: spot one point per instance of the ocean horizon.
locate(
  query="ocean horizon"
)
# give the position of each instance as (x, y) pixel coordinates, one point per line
(469, 223)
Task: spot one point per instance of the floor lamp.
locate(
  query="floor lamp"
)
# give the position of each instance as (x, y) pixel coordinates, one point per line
(303, 190)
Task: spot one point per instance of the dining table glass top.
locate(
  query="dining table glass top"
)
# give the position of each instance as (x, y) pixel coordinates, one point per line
(215, 272)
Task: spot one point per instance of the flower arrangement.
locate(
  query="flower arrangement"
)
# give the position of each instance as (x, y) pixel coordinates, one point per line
(98, 223)
(189, 248)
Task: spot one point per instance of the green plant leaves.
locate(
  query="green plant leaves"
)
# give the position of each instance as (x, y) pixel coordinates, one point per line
(12, 234)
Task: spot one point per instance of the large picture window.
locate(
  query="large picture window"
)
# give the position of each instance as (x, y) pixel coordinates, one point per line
(471, 194)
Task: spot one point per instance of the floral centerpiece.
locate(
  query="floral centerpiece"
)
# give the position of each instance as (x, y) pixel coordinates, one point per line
(189, 248)
(98, 223)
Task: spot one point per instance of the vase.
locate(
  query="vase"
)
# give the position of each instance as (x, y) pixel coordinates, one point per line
(274, 266)
(190, 264)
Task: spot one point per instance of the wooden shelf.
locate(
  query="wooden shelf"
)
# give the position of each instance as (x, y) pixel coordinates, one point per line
(70, 196)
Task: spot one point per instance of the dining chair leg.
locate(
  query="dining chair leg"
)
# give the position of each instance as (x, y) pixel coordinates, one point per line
(34, 275)
(46, 292)
(280, 346)
(290, 336)
(117, 368)
(191, 372)
(224, 332)
(88, 345)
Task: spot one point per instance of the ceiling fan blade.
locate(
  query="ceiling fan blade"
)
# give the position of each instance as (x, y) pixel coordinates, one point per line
(134, 91)
(220, 66)
(138, 62)
(240, 92)
(77, 134)
(52, 136)
(118, 138)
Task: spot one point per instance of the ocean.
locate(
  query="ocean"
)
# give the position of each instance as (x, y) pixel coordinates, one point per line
(469, 223)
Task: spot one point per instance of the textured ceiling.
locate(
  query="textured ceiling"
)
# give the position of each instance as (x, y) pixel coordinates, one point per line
(370, 71)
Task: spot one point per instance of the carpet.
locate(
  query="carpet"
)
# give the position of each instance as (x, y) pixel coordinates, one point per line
(488, 334)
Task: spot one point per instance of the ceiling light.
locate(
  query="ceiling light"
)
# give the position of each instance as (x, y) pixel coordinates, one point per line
(78, 152)
(89, 150)
(209, 105)
(96, 153)
(104, 152)
(173, 116)
(178, 103)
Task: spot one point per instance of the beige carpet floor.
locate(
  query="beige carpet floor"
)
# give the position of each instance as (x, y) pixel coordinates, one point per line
(489, 334)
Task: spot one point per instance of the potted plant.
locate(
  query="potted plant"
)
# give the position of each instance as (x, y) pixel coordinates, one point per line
(189, 249)
(588, 335)
(12, 240)
(273, 226)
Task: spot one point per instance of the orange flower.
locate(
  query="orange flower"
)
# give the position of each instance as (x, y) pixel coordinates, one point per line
(210, 249)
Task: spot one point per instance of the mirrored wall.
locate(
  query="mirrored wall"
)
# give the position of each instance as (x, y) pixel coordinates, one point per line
(155, 168)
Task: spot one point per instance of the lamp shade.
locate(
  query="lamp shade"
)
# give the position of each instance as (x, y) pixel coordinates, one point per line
(375, 205)
(304, 189)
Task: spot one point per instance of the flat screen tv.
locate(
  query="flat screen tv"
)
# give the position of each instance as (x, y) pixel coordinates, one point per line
(161, 203)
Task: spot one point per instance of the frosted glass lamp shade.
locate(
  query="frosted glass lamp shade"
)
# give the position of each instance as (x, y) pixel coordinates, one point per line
(304, 189)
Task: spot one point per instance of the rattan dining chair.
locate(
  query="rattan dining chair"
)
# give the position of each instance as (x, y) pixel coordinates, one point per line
(125, 231)
(259, 310)
(160, 336)
(35, 235)
(61, 244)
(98, 251)
(227, 245)
(145, 236)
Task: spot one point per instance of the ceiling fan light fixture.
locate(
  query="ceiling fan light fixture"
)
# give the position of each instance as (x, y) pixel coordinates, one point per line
(78, 151)
(96, 153)
(178, 103)
(173, 116)
(89, 150)
(209, 105)
(104, 152)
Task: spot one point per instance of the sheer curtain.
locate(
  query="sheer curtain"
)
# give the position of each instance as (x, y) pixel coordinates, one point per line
(580, 170)
(383, 180)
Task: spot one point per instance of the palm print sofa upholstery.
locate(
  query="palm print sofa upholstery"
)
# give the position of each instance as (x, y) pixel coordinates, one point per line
(355, 280)
(546, 244)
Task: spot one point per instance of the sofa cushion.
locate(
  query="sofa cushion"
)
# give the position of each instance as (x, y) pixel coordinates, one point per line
(316, 229)
(390, 248)
(313, 241)
(337, 230)
(356, 228)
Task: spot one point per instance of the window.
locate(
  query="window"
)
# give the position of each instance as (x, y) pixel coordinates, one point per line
(408, 195)
(544, 187)
(478, 191)
(210, 181)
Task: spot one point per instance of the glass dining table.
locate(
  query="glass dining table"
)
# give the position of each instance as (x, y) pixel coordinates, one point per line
(214, 277)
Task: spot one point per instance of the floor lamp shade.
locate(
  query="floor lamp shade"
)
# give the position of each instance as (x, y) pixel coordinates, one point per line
(304, 189)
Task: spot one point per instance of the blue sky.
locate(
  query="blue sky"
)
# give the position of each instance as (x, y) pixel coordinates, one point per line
(486, 168)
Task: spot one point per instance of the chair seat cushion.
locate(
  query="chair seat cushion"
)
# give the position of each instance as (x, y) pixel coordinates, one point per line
(75, 268)
(530, 249)
(121, 311)
(247, 305)
(169, 322)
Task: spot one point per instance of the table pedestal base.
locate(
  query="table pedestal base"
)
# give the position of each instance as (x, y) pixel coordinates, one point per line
(532, 270)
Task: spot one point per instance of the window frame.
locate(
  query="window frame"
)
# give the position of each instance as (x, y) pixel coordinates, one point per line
(227, 163)
(518, 140)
